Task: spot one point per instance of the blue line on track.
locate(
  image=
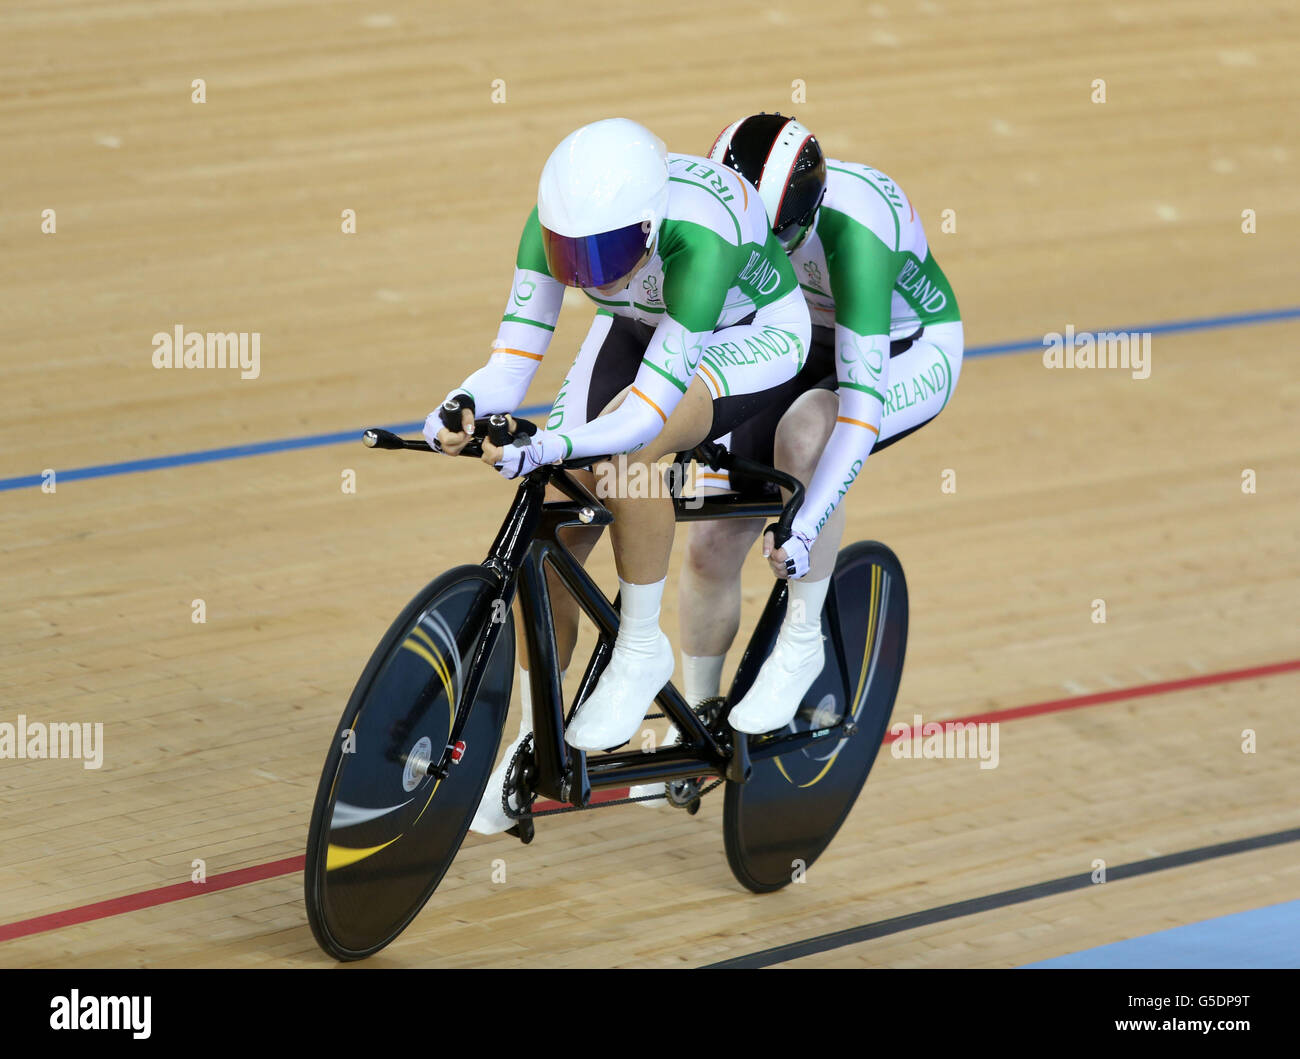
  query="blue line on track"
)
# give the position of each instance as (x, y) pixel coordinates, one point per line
(339, 437)
(1260, 937)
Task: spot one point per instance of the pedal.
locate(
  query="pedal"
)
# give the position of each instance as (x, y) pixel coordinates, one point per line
(682, 794)
(524, 831)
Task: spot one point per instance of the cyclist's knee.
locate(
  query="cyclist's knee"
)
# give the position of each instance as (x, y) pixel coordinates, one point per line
(802, 433)
(715, 551)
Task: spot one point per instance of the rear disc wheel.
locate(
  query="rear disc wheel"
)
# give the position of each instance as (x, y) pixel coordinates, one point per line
(784, 817)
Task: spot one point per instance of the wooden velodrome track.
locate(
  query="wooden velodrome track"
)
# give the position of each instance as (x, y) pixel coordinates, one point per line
(1072, 485)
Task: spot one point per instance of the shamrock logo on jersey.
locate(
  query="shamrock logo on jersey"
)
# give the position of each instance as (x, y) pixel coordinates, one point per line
(651, 286)
(679, 363)
(524, 291)
(858, 360)
(813, 273)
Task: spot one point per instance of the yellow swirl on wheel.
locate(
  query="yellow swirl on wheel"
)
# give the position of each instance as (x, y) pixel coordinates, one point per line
(872, 626)
(445, 675)
(433, 656)
(341, 856)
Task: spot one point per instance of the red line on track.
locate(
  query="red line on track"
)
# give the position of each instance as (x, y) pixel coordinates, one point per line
(148, 898)
(223, 881)
(1074, 702)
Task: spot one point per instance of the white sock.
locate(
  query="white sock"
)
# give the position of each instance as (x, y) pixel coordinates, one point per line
(701, 677)
(638, 617)
(803, 610)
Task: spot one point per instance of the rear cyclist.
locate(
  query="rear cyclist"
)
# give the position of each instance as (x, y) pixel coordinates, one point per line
(886, 355)
(678, 255)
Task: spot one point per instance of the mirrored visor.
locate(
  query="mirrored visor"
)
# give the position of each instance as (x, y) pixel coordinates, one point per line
(593, 260)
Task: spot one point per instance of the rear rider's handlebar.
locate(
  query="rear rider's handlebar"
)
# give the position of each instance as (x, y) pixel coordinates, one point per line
(719, 458)
(496, 428)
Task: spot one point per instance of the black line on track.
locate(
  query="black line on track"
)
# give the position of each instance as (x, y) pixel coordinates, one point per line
(884, 927)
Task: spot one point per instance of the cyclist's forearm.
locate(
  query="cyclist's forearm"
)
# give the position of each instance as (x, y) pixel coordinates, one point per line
(531, 311)
(862, 381)
(630, 426)
(500, 385)
(521, 342)
(671, 359)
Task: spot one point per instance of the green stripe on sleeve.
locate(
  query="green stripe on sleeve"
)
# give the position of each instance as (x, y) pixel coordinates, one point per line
(651, 364)
(862, 389)
(511, 319)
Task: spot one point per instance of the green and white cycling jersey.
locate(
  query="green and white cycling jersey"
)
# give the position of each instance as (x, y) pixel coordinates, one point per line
(866, 270)
(866, 264)
(715, 262)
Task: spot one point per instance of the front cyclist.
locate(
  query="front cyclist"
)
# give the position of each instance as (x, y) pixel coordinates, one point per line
(678, 255)
(886, 354)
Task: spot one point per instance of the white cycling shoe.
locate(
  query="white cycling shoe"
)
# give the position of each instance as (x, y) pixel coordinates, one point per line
(490, 819)
(782, 682)
(613, 712)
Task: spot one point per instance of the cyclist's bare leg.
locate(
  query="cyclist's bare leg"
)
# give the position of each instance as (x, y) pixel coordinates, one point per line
(708, 612)
(643, 527)
(710, 591)
(801, 438)
(710, 586)
(642, 535)
(580, 540)
(716, 551)
(799, 653)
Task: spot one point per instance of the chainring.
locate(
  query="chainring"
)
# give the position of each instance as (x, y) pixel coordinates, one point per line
(518, 780)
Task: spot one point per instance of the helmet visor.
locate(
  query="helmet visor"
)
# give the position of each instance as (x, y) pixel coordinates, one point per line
(792, 236)
(593, 260)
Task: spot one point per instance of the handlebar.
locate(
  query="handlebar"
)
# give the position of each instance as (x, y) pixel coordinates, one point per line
(719, 458)
(496, 428)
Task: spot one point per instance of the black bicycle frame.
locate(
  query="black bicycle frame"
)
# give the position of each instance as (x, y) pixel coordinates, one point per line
(527, 545)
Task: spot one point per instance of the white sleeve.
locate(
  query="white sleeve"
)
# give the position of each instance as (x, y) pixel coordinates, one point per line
(666, 371)
(862, 369)
(521, 342)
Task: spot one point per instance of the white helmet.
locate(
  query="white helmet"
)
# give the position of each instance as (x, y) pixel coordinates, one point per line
(600, 201)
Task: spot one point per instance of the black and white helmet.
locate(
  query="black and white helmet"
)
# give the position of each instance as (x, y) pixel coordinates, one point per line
(784, 161)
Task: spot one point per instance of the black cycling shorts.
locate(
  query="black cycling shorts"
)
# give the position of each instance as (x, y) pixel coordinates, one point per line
(756, 436)
(619, 359)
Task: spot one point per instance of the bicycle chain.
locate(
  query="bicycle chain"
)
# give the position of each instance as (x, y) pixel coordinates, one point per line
(604, 805)
(509, 787)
